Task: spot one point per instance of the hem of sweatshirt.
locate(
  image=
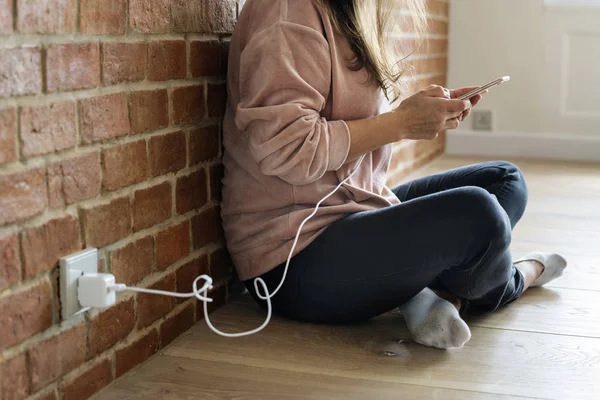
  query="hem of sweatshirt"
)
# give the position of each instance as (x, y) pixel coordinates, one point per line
(340, 144)
(275, 254)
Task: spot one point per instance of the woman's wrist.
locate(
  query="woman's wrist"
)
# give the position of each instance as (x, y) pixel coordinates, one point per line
(372, 133)
(392, 126)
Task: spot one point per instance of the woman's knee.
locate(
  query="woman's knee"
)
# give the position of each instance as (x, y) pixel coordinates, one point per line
(484, 215)
(514, 175)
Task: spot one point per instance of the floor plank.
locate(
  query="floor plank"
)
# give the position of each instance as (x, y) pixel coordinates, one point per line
(549, 310)
(574, 243)
(178, 378)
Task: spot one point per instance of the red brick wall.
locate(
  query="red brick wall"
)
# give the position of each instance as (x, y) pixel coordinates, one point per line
(429, 63)
(109, 137)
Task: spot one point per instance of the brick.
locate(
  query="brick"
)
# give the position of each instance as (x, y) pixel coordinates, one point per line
(44, 245)
(105, 17)
(216, 99)
(206, 228)
(25, 313)
(221, 266)
(205, 17)
(46, 16)
(205, 58)
(190, 192)
(8, 135)
(167, 153)
(51, 395)
(110, 327)
(14, 384)
(167, 60)
(21, 71)
(437, 26)
(131, 263)
(189, 16)
(149, 110)
(123, 62)
(406, 45)
(172, 244)
(187, 273)
(72, 66)
(10, 261)
(55, 285)
(204, 144)
(149, 16)
(437, 45)
(219, 296)
(74, 179)
(106, 223)
(188, 104)
(136, 353)
(85, 384)
(125, 165)
(151, 307)
(95, 126)
(424, 83)
(152, 206)
(49, 128)
(430, 65)
(57, 356)
(216, 172)
(176, 325)
(221, 15)
(437, 7)
(23, 195)
(6, 18)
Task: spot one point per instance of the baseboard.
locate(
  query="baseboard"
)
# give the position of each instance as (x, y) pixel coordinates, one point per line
(523, 144)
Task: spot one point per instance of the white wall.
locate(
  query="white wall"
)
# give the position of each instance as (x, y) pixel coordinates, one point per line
(492, 38)
(552, 55)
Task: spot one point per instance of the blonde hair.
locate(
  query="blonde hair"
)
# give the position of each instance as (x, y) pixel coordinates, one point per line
(373, 29)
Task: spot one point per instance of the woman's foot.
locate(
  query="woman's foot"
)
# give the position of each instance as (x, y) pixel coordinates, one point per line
(435, 322)
(540, 268)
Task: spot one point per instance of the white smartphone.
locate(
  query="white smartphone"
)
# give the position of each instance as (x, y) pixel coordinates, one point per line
(480, 89)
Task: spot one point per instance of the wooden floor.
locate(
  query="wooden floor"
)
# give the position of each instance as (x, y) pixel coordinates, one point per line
(545, 346)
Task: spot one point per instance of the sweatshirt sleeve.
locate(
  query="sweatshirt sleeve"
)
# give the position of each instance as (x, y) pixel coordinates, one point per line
(285, 78)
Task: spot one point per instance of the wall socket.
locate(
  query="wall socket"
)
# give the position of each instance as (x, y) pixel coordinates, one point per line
(72, 267)
(483, 120)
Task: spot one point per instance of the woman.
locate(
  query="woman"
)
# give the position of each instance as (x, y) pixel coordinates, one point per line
(306, 97)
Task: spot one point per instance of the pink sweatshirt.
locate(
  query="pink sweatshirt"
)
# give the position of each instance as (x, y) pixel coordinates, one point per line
(285, 139)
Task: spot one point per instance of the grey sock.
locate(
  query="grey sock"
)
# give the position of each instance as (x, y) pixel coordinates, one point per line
(434, 322)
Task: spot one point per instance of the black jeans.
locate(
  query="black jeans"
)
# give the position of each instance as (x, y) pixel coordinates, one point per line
(451, 232)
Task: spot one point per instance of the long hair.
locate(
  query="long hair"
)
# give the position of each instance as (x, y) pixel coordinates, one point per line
(373, 29)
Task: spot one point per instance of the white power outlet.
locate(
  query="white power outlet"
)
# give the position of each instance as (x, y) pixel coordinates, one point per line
(483, 120)
(72, 268)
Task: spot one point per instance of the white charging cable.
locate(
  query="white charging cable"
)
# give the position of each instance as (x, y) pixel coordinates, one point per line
(95, 289)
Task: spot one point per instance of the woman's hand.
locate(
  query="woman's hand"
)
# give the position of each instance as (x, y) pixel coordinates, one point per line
(456, 93)
(428, 112)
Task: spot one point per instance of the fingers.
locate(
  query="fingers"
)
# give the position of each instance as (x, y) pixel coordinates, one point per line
(452, 123)
(457, 107)
(465, 115)
(436, 91)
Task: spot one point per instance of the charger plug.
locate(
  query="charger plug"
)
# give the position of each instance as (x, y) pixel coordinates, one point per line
(96, 290)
